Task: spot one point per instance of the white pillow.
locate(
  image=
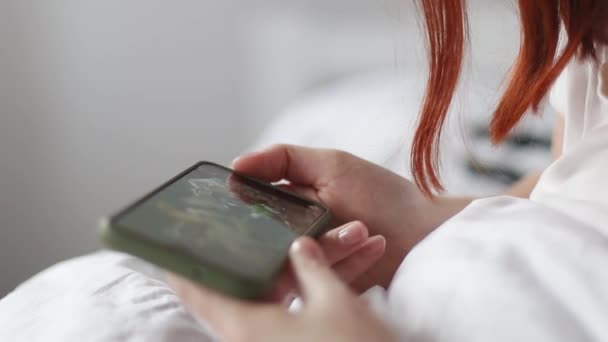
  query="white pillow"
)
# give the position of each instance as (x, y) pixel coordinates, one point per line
(373, 115)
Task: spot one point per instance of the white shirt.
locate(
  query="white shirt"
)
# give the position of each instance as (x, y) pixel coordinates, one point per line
(508, 269)
(576, 182)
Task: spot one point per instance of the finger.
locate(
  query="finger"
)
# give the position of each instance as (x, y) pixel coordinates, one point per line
(349, 268)
(225, 315)
(310, 193)
(317, 282)
(361, 260)
(235, 185)
(341, 242)
(301, 190)
(337, 244)
(302, 165)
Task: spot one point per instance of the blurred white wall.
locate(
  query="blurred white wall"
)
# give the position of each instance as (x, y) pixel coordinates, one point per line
(102, 100)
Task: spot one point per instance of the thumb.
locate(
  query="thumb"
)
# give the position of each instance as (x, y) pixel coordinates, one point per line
(317, 281)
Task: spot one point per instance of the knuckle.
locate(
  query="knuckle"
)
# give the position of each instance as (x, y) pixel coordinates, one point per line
(277, 146)
(341, 156)
(341, 160)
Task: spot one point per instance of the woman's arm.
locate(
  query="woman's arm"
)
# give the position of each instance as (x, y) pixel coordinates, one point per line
(447, 207)
(387, 204)
(524, 187)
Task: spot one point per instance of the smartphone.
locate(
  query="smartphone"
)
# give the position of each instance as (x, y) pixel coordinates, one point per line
(227, 231)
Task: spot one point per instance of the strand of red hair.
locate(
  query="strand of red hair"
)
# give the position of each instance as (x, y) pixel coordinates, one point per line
(538, 65)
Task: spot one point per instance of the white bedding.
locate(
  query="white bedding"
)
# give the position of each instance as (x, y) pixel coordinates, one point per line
(106, 296)
(466, 282)
(505, 269)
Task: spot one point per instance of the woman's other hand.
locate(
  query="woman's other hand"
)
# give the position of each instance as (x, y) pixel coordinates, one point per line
(348, 249)
(331, 311)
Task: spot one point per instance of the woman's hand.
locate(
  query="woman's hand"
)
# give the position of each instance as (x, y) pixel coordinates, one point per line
(331, 311)
(348, 249)
(354, 189)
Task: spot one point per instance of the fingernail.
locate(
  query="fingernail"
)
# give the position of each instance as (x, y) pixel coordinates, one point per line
(235, 160)
(306, 250)
(248, 154)
(290, 298)
(374, 245)
(351, 234)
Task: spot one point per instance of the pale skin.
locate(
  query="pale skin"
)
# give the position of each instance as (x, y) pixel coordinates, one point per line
(381, 217)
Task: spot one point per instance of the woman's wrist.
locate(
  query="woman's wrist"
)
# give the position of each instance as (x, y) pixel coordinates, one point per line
(432, 213)
(446, 207)
(422, 216)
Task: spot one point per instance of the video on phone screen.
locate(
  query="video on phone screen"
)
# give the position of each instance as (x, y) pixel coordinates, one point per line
(224, 219)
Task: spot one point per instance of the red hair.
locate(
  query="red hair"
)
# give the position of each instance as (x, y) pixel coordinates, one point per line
(536, 68)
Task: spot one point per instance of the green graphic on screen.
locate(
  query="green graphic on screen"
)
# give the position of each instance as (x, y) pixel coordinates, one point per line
(224, 219)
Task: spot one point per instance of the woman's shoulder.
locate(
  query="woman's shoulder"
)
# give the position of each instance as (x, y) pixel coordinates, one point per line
(581, 94)
(573, 83)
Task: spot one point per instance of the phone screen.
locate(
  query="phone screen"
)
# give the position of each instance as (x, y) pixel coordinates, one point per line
(223, 219)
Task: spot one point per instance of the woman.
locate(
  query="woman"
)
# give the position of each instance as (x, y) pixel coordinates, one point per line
(502, 268)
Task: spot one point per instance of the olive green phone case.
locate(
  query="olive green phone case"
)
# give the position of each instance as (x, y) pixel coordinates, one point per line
(181, 262)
